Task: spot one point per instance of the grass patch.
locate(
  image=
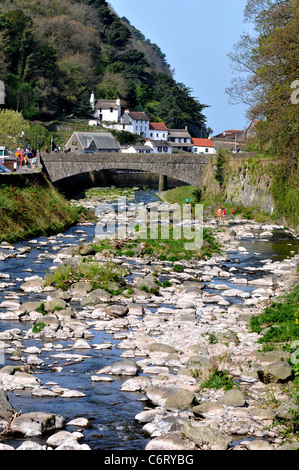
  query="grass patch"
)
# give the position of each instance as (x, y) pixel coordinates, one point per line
(107, 276)
(280, 320)
(35, 210)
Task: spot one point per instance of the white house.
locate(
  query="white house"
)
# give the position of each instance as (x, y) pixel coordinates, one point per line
(137, 148)
(135, 122)
(181, 139)
(158, 131)
(105, 110)
(159, 146)
(203, 146)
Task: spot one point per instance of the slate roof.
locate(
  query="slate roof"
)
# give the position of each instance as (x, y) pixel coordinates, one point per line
(102, 140)
(106, 104)
(181, 133)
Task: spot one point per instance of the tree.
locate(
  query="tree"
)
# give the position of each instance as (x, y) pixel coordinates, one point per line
(269, 64)
(12, 124)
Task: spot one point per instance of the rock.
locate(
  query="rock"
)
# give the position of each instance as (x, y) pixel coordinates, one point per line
(117, 310)
(6, 447)
(53, 304)
(279, 371)
(60, 438)
(205, 437)
(171, 441)
(35, 286)
(81, 422)
(36, 423)
(161, 347)
(49, 320)
(6, 409)
(135, 384)
(86, 249)
(181, 399)
(80, 289)
(208, 410)
(30, 445)
(81, 344)
(125, 367)
(259, 444)
(232, 397)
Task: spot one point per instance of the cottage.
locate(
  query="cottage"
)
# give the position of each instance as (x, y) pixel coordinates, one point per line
(231, 139)
(94, 141)
(158, 131)
(159, 146)
(203, 146)
(105, 110)
(181, 140)
(137, 148)
(135, 122)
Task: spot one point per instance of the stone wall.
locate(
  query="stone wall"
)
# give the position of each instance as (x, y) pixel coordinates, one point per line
(246, 181)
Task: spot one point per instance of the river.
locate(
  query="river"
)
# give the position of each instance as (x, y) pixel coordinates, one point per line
(110, 411)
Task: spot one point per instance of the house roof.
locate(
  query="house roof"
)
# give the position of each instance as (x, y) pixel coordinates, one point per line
(229, 134)
(106, 104)
(179, 133)
(161, 143)
(138, 115)
(202, 142)
(102, 140)
(158, 126)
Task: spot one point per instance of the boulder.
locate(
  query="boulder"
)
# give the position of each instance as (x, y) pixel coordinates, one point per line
(279, 372)
(6, 409)
(36, 423)
(232, 397)
(206, 438)
(181, 399)
(171, 441)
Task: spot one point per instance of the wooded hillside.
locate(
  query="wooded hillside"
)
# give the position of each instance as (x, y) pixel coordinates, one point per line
(55, 52)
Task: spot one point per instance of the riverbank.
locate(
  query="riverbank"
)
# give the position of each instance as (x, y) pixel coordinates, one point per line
(186, 347)
(30, 206)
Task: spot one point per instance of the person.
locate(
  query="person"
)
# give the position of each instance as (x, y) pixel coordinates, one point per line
(223, 212)
(187, 200)
(220, 213)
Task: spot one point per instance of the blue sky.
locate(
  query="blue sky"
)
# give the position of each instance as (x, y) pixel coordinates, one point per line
(196, 36)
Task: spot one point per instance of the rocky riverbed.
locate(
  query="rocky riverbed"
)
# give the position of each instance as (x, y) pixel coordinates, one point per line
(168, 341)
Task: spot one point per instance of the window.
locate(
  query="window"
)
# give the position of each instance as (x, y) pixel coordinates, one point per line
(207, 150)
(165, 149)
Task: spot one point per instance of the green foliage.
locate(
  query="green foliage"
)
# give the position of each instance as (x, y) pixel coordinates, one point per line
(281, 319)
(54, 53)
(101, 275)
(38, 327)
(33, 210)
(218, 379)
(220, 166)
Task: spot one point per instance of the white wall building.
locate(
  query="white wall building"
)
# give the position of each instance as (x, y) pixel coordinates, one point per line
(158, 131)
(203, 146)
(135, 122)
(105, 110)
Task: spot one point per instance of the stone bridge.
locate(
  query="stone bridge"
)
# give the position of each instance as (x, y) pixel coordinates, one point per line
(187, 168)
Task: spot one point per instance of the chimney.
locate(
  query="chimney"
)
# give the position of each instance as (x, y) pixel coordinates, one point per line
(92, 101)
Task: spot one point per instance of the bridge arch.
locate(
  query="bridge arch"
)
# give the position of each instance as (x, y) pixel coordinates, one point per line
(187, 168)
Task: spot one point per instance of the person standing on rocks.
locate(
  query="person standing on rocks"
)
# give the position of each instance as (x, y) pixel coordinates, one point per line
(220, 214)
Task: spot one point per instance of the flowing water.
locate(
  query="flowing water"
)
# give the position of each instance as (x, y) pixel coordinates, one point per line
(110, 411)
